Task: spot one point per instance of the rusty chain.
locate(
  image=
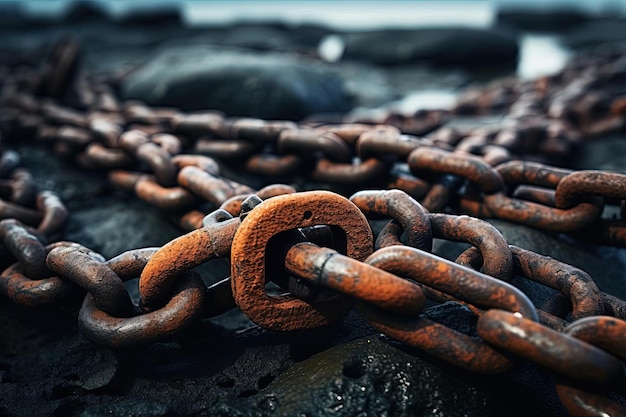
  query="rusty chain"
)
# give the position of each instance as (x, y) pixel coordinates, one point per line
(318, 245)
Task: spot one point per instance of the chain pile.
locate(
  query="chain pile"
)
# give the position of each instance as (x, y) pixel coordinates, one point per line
(318, 245)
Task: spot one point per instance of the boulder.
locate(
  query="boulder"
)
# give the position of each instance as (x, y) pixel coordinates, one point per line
(239, 83)
(541, 19)
(595, 33)
(370, 376)
(459, 47)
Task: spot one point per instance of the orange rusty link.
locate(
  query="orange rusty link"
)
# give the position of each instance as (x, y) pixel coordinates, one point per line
(537, 194)
(415, 187)
(348, 173)
(205, 163)
(310, 141)
(536, 215)
(441, 192)
(226, 148)
(105, 130)
(167, 198)
(197, 124)
(21, 187)
(403, 209)
(211, 188)
(389, 235)
(469, 167)
(138, 144)
(497, 258)
(274, 165)
(25, 245)
(277, 215)
(608, 333)
(28, 292)
(259, 130)
(581, 403)
(557, 351)
(182, 254)
(472, 258)
(184, 307)
(98, 156)
(170, 143)
(23, 214)
(385, 140)
(614, 306)
(328, 268)
(456, 280)
(92, 275)
(191, 220)
(54, 212)
(439, 341)
(569, 280)
(577, 185)
(436, 339)
(524, 172)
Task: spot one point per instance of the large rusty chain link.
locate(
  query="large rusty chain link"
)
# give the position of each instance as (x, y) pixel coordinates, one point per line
(318, 246)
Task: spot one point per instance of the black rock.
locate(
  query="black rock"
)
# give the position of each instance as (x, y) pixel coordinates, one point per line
(276, 36)
(462, 47)
(239, 83)
(135, 407)
(155, 16)
(540, 19)
(85, 12)
(371, 377)
(595, 33)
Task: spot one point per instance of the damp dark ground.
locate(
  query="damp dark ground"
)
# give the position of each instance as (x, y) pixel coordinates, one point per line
(226, 365)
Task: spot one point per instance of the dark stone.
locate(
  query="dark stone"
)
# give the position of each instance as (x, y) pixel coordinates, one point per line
(276, 36)
(237, 82)
(541, 19)
(597, 32)
(85, 12)
(135, 408)
(374, 377)
(462, 47)
(154, 16)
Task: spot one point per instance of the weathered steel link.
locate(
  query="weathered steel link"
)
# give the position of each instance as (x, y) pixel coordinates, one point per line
(328, 268)
(570, 281)
(92, 275)
(458, 281)
(584, 403)
(403, 209)
(181, 255)
(557, 351)
(608, 333)
(497, 258)
(248, 260)
(26, 291)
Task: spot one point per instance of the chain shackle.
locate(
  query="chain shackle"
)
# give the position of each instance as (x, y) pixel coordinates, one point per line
(248, 256)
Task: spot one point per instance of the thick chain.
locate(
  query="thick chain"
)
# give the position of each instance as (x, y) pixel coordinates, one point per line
(319, 246)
